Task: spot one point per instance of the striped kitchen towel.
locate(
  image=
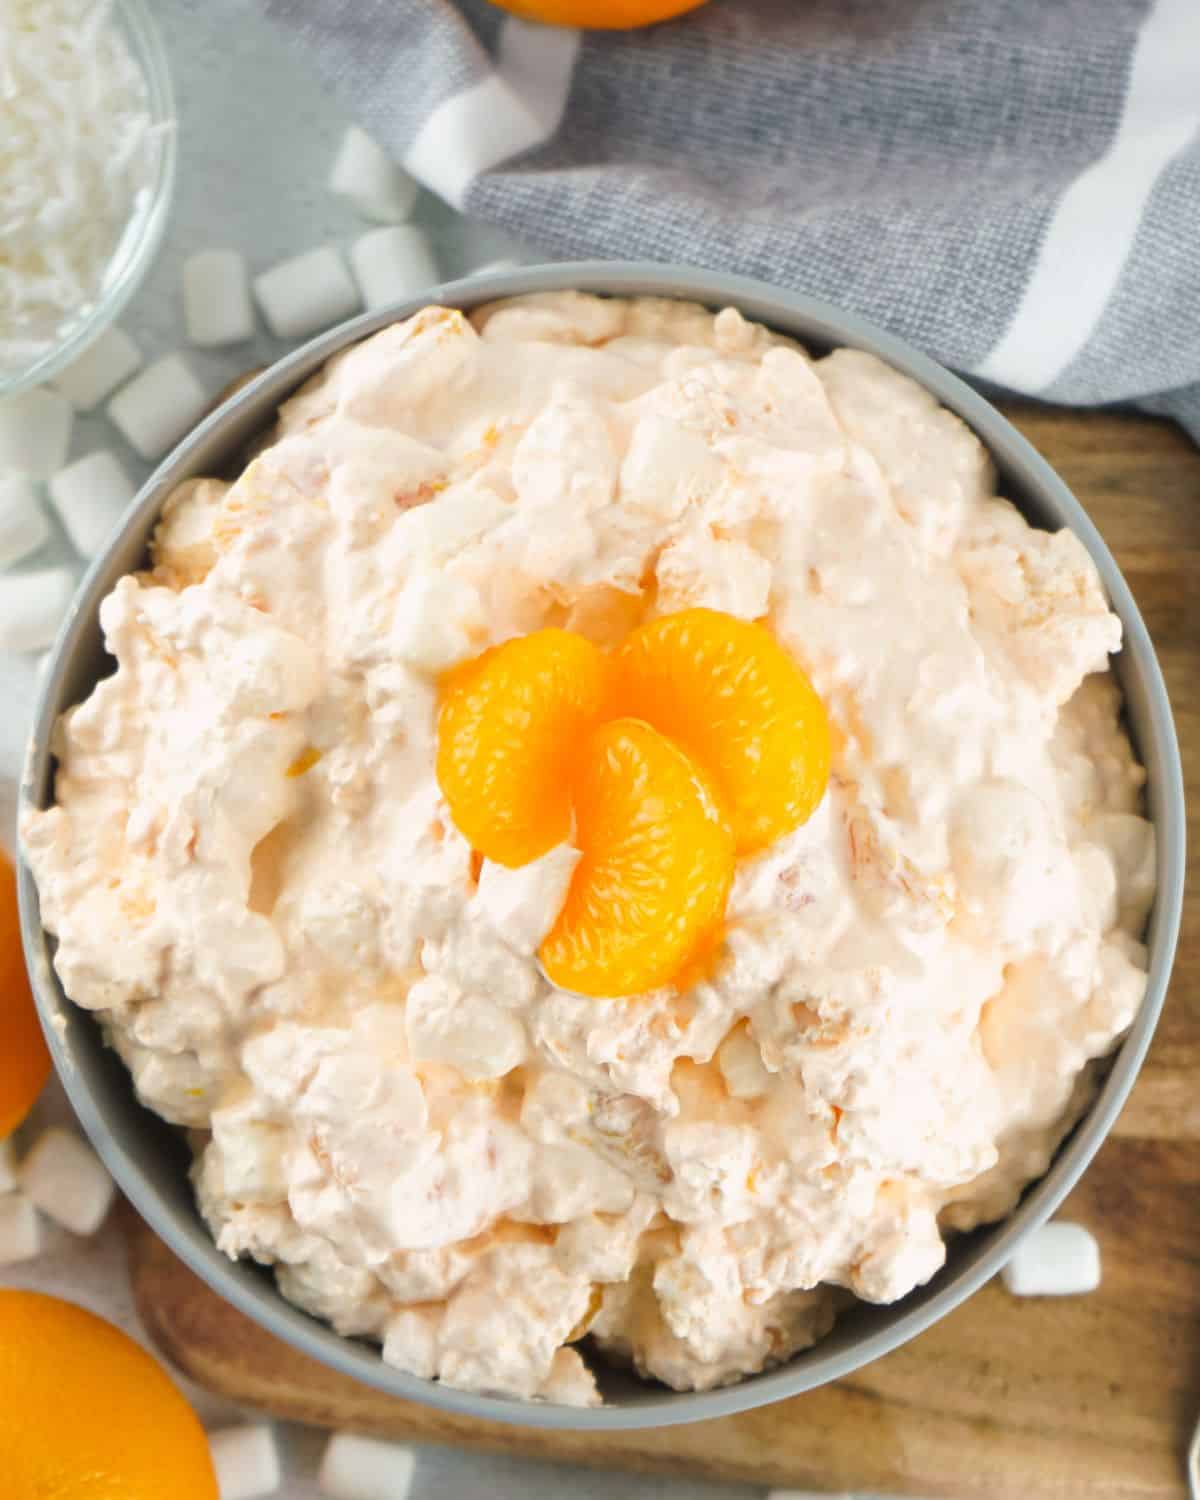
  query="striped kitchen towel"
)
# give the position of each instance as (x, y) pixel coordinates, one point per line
(1013, 185)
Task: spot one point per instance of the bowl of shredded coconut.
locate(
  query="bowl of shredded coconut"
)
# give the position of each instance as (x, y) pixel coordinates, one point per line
(598, 852)
(87, 164)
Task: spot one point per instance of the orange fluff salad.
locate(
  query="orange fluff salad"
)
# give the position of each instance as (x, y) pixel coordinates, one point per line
(612, 837)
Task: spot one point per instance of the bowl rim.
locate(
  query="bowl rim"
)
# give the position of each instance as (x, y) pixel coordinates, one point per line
(812, 321)
(147, 223)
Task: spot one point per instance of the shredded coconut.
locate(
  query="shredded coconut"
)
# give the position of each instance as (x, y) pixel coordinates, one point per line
(75, 138)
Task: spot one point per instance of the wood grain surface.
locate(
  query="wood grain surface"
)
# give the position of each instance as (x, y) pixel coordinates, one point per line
(1010, 1400)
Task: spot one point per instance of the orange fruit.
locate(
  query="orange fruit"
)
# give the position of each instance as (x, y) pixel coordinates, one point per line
(509, 727)
(728, 693)
(656, 866)
(87, 1414)
(24, 1060)
(599, 15)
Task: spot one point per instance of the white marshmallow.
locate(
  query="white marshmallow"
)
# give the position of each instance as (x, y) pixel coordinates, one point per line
(366, 175)
(306, 293)
(362, 1468)
(522, 904)
(32, 606)
(20, 1232)
(90, 497)
(66, 1179)
(469, 1032)
(438, 529)
(392, 264)
(216, 298)
(247, 1462)
(742, 1067)
(8, 1166)
(99, 370)
(35, 432)
(159, 406)
(410, 1341)
(434, 620)
(23, 527)
(1058, 1260)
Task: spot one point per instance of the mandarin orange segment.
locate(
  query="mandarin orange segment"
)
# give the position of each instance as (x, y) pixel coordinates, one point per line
(656, 869)
(509, 728)
(728, 693)
(24, 1060)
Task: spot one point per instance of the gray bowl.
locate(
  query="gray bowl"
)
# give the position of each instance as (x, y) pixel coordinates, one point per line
(148, 1158)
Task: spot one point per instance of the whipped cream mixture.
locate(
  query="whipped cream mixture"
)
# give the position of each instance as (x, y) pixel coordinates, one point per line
(254, 880)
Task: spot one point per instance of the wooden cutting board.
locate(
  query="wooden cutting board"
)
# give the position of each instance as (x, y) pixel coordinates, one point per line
(1075, 1399)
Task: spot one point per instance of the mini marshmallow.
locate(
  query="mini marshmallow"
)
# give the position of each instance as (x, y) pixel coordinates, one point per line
(90, 497)
(246, 1460)
(362, 1468)
(35, 432)
(410, 1341)
(8, 1166)
(366, 175)
(435, 620)
(522, 904)
(392, 264)
(100, 369)
(20, 1232)
(159, 406)
(441, 527)
(67, 1181)
(23, 527)
(471, 1033)
(216, 298)
(32, 606)
(1058, 1260)
(306, 293)
(742, 1067)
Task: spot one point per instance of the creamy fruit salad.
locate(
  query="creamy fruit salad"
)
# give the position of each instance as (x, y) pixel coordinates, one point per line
(508, 1009)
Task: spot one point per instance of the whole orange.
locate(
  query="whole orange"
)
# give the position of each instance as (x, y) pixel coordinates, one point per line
(24, 1061)
(599, 15)
(87, 1414)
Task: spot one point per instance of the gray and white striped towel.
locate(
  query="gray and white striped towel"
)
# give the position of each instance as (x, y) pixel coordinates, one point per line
(1013, 185)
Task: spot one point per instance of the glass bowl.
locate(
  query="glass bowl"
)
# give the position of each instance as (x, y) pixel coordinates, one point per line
(147, 220)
